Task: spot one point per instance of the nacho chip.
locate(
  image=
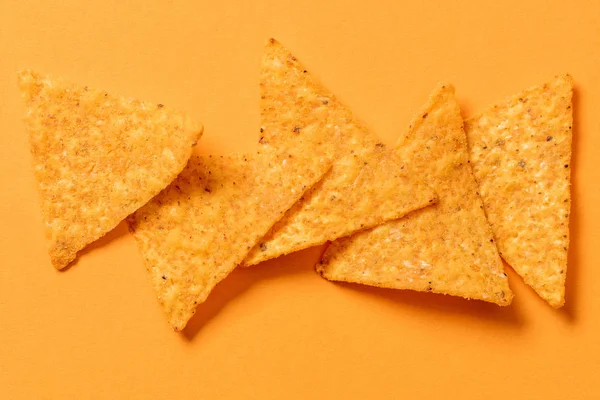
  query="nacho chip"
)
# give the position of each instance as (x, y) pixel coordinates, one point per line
(195, 232)
(366, 185)
(521, 153)
(98, 157)
(447, 248)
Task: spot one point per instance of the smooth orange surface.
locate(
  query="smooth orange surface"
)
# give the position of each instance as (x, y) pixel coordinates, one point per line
(278, 330)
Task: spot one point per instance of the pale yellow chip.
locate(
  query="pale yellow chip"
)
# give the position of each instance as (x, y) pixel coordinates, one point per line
(97, 157)
(195, 232)
(521, 154)
(447, 248)
(366, 185)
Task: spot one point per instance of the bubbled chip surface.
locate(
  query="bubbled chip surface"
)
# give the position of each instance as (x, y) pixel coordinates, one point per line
(98, 157)
(366, 185)
(521, 155)
(446, 248)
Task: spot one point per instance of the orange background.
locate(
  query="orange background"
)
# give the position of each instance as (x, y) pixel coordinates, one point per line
(278, 330)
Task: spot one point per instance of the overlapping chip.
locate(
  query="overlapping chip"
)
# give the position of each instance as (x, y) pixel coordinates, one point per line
(98, 157)
(194, 233)
(366, 185)
(409, 218)
(521, 153)
(447, 248)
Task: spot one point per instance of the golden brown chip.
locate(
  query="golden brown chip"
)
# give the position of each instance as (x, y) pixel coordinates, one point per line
(98, 157)
(195, 232)
(366, 185)
(447, 248)
(521, 153)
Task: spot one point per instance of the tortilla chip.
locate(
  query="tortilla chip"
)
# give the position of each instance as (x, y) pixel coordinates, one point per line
(98, 157)
(366, 185)
(201, 227)
(521, 153)
(447, 248)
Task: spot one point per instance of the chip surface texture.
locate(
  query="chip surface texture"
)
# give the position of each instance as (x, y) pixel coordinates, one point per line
(521, 154)
(366, 185)
(97, 157)
(199, 229)
(446, 248)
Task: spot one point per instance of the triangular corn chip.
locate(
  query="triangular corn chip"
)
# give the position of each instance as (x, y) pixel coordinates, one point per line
(364, 188)
(521, 153)
(194, 233)
(97, 157)
(447, 248)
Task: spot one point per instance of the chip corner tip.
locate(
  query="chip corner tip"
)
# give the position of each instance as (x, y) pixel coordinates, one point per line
(194, 127)
(25, 73)
(26, 80)
(61, 257)
(131, 222)
(59, 266)
(251, 261)
(443, 91)
(178, 318)
(558, 306)
(566, 76)
(320, 268)
(508, 298)
(175, 323)
(61, 263)
(556, 303)
(445, 87)
(562, 83)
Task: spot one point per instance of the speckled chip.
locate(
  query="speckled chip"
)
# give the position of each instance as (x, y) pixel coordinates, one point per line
(98, 157)
(366, 185)
(447, 248)
(195, 232)
(521, 154)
